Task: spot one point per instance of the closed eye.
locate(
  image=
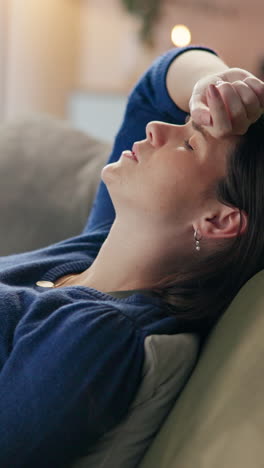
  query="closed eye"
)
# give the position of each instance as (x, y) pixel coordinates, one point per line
(187, 145)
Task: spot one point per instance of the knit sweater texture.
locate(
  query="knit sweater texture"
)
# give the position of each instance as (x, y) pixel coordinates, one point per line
(71, 358)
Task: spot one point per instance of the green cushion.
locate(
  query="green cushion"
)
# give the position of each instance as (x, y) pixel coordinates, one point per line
(218, 421)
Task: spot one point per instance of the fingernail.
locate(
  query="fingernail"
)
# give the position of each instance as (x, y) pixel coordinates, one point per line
(213, 91)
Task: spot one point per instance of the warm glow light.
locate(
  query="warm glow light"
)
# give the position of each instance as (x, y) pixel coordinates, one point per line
(181, 35)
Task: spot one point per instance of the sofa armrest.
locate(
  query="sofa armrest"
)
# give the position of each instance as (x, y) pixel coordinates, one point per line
(49, 173)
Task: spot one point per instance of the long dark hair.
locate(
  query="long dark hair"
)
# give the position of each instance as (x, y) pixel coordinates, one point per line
(202, 294)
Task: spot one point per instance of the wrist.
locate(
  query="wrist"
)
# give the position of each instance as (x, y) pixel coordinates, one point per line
(188, 68)
(235, 74)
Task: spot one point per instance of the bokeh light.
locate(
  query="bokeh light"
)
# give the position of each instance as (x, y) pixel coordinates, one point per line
(181, 35)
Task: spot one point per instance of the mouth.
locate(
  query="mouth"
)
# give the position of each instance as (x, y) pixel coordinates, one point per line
(135, 151)
(130, 155)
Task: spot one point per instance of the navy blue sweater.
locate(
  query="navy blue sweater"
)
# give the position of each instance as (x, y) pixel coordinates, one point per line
(71, 357)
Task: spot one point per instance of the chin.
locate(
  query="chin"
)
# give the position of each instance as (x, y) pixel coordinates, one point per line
(110, 174)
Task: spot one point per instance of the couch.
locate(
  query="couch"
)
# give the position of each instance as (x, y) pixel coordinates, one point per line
(48, 177)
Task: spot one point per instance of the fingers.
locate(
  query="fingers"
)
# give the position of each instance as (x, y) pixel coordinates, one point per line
(257, 87)
(227, 104)
(199, 110)
(235, 108)
(249, 99)
(221, 123)
(243, 100)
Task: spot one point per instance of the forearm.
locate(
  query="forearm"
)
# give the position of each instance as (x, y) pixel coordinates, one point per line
(186, 70)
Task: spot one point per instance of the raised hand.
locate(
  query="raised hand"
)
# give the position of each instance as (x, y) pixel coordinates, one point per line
(228, 102)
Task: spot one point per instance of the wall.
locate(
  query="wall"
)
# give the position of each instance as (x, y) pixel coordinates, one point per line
(51, 48)
(112, 58)
(109, 45)
(3, 55)
(234, 28)
(43, 47)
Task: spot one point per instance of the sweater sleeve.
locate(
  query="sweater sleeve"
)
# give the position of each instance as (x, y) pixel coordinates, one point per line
(69, 378)
(148, 101)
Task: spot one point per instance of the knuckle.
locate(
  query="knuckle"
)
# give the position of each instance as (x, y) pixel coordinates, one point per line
(249, 101)
(240, 83)
(237, 115)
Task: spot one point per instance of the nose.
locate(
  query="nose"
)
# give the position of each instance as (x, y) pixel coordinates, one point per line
(158, 132)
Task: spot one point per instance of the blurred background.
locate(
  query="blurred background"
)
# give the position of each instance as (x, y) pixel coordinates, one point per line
(78, 59)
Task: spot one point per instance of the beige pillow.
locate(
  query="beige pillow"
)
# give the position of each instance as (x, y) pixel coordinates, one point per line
(169, 360)
(49, 173)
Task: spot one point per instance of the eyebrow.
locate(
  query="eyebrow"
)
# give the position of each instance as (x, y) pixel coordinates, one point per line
(200, 129)
(197, 126)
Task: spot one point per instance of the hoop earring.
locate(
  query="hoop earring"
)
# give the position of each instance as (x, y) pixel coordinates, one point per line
(197, 241)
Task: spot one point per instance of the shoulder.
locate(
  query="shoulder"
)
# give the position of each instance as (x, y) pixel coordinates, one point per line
(75, 311)
(81, 359)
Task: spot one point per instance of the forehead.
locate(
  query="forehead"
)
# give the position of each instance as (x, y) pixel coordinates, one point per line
(223, 147)
(226, 143)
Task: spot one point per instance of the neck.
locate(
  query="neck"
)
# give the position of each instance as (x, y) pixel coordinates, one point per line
(132, 260)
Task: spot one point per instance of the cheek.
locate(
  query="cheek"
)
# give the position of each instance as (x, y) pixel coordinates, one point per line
(164, 192)
(172, 180)
(177, 190)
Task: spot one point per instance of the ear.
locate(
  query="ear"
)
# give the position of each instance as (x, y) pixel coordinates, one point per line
(223, 223)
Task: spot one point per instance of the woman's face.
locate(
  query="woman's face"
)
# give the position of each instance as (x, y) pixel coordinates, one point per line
(176, 165)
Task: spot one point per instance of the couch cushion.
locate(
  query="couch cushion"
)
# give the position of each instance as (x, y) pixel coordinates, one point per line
(218, 421)
(169, 360)
(49, 173)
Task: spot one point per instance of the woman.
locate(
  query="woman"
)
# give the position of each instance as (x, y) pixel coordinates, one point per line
(75, 315)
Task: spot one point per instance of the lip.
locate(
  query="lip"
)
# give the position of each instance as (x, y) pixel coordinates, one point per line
(130, 155)
(135, 150)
